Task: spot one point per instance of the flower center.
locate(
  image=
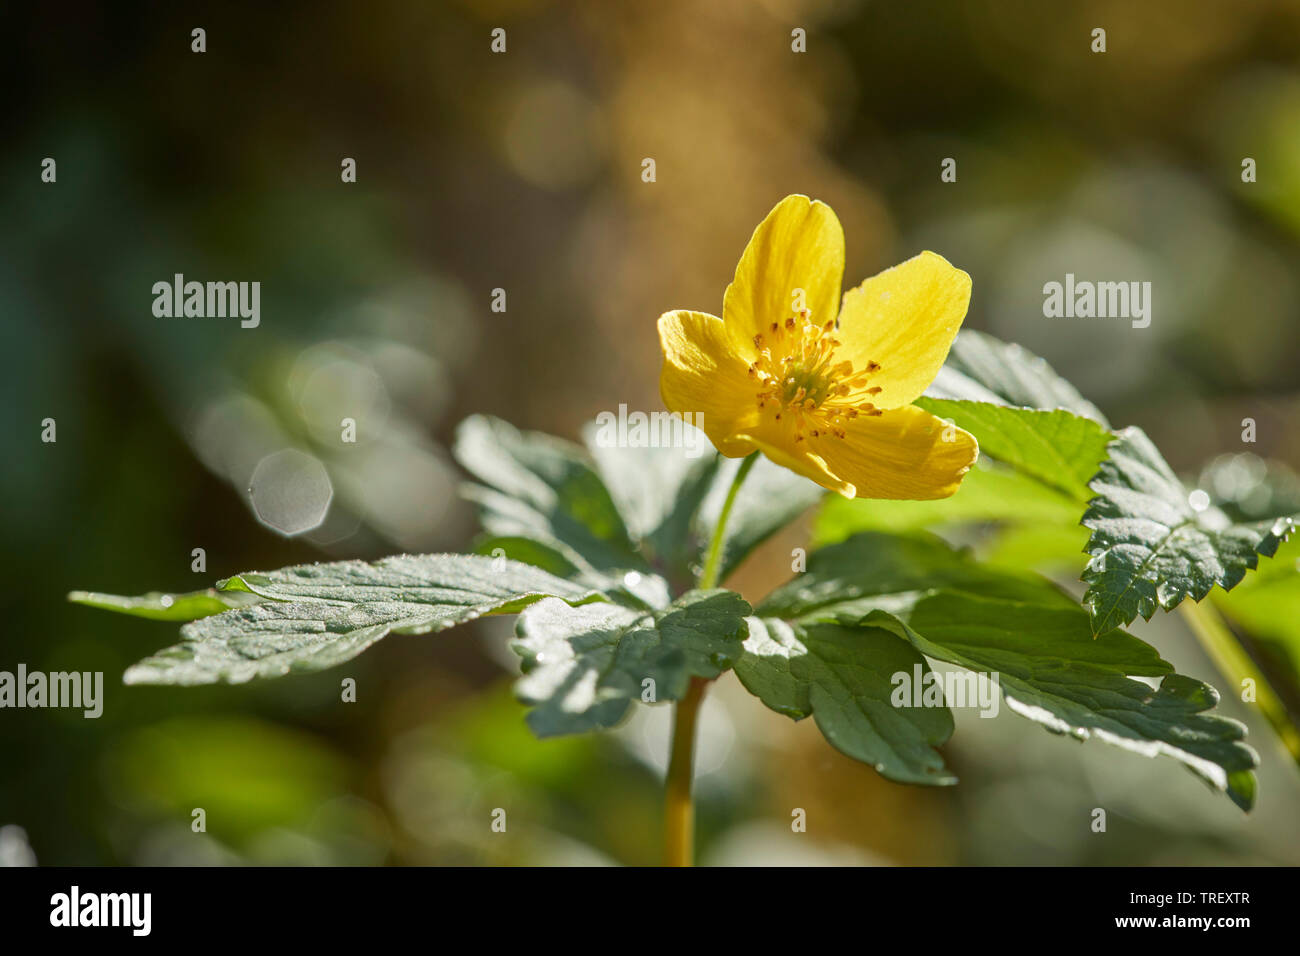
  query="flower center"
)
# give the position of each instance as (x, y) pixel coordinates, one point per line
(798, 376)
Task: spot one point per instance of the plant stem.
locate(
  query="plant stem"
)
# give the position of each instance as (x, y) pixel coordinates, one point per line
(679, 805)
(713, 563)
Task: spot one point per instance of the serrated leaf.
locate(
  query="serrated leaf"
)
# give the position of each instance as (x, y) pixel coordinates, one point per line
(665, 502)
(658, 490)
(320, 615)
(673, 501)
(538, 487)
(447, 581)
(162, 606)
(276, 638)
(639, 587)
(992, 617)
(1021, 411)
(844, 678)
(1150, 548)
(1058, 448)
(539, 555)
(981, 368)
(583, 666)
(1040, 443)
(1035, 637)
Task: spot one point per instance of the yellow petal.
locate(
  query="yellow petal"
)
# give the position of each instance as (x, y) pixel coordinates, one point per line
(906, 453)
(703, 377)
(795, 257)
(777, 441)
(905, 319)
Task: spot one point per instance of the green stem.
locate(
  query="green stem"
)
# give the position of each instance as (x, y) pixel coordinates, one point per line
(1232, 661)
(679, 805)
(713, 563)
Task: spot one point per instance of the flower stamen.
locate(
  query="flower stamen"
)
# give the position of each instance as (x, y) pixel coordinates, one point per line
(799, 373)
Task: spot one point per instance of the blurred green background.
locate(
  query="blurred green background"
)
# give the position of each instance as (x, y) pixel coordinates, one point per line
(522, 171)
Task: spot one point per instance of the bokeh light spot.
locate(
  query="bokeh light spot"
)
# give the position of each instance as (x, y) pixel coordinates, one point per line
(290, 492)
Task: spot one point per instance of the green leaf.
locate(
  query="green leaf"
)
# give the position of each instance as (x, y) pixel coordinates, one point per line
(658, 491)
(1033, 636)
(446, 581)
(1048, 548)
(539, 555)
(989, 492)
(1040, 443)
(642, 588)
(620, 509)
(162, 606)
(1151, 548)
(1058, 448)
(276, 638)
(671, 501)
(583, 666)
(1021, 411)
(538, 487)
(320, 615)
(844, 678)
(982, 369)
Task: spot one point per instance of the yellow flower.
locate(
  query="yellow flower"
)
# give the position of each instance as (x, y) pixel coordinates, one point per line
(830, 400)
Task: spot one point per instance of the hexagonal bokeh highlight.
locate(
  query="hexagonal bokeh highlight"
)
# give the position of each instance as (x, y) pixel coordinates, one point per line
(290, 492)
